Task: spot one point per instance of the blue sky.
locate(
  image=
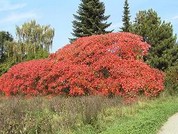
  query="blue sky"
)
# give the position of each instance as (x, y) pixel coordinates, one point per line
(59, 14)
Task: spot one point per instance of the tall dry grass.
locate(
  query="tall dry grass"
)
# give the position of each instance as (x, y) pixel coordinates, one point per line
(41, 115)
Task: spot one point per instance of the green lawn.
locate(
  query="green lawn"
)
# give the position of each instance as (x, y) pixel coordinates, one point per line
(147, 117)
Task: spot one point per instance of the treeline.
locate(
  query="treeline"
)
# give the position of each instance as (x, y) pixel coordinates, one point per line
(163, 53)
(33, 40)
(90, 20)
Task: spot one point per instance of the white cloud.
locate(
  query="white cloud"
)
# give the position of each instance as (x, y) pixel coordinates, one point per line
(16, 17)
(5, 5)
(174, 18)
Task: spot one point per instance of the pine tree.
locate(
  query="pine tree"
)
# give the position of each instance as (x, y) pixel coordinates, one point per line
(90, 19)
(159, 34)
(126, 17)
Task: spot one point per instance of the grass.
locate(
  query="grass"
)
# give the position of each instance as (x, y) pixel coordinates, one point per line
(143, 117)
(84, 115)
(47, 116)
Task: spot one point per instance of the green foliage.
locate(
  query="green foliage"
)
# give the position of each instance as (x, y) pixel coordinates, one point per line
(5, 65)
(40, 53)
(171, 82)
(90, 19)
(5, 62)
(33, 42)
(160, 35)
(126, 18)
(4, 36)
(34, 38)
(10, 61)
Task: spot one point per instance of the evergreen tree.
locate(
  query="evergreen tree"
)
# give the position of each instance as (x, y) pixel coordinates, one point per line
(90, 19)
(126, 17)
(159, 34)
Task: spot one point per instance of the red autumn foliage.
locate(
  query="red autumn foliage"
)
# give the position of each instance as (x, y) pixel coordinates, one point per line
(109, 64)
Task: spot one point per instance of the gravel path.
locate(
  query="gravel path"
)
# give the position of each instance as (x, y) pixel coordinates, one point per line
(171, 126)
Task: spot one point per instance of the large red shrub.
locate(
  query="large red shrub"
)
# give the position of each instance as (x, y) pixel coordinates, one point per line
(110, 64)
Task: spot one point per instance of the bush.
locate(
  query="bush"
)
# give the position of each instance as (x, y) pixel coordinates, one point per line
(171, 81)
(5, 65)
(8, 62)
(110, 64)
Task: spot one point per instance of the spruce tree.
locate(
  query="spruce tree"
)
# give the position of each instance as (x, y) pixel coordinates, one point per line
(126, 17)
(159, 34)
(90, 19)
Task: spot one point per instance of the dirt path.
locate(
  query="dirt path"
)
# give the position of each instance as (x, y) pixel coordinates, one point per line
(171, 126)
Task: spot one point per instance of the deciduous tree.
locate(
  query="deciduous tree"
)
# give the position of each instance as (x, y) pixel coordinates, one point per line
(4, 36)
(34, 38)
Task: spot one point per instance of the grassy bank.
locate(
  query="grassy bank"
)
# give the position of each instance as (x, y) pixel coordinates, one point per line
(84, 115)
(144, 117)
